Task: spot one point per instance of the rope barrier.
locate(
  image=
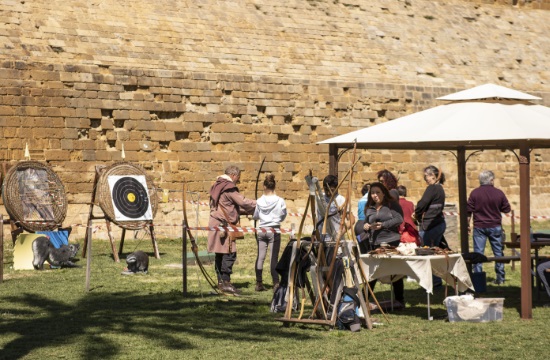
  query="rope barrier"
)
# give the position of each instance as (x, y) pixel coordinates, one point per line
(251, 229)
(246, 229)
(297, 214)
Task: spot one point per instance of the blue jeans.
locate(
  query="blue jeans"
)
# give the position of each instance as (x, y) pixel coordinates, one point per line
(495, 239)
(432, 237)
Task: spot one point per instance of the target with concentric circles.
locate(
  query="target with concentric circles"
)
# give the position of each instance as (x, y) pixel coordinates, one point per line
(130, 198)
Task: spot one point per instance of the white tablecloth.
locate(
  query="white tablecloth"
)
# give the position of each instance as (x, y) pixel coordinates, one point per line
(421, 268)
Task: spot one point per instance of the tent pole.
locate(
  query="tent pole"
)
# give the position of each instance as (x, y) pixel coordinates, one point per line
(525, 238)
(462, 199)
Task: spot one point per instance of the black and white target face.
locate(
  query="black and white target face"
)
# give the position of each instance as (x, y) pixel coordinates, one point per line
(130, 198)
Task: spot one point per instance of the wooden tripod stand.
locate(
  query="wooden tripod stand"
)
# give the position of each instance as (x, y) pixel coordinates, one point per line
(143, 224)
(324, 311)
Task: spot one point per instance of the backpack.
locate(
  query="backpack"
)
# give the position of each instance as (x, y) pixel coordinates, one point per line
(347, 318)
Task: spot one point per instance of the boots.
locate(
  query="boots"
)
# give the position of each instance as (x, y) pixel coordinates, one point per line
(227, 287)
(275, 287)
(260, 286)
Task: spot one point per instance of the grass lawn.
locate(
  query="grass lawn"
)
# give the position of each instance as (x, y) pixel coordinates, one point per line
(49, 314)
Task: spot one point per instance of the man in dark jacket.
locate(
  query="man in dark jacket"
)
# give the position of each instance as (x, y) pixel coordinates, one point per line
(486, 203)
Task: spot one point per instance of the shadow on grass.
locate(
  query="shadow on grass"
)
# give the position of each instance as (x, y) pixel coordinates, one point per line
(165, 319)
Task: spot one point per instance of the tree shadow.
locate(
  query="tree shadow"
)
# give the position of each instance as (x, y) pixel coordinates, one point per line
(161, 318)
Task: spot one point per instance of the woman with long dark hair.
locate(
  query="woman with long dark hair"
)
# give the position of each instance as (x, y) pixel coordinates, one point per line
(429, 210)
(388, 179)
(382, 221)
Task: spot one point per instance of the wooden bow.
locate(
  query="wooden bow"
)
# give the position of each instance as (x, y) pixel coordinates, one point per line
(194, 247)
(256, 192)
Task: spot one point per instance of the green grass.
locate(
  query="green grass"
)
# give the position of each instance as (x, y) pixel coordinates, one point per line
(45, 314)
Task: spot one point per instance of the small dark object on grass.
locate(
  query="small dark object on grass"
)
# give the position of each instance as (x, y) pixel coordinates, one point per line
(137, 261)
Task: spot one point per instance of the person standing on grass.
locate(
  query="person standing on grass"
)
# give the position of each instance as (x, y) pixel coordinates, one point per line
(382, 221)
(486, 203)
(389, 180)
(358, 229)
(226, 206)
(362, 202)
(271, 211)
(408, 230)
(429, 212)
(429, 209)
(334, 209)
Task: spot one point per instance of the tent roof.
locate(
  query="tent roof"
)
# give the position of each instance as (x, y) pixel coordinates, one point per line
(471, 124)
(489, 91)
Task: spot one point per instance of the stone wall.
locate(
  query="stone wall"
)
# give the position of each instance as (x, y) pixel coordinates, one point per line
(189, 89)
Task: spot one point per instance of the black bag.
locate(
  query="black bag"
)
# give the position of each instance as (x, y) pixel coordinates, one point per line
(278, 302)
(474, 257)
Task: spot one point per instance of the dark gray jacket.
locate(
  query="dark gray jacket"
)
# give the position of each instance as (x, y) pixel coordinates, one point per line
(390, 218)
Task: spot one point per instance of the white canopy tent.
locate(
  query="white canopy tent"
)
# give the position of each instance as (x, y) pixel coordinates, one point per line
(485, 117)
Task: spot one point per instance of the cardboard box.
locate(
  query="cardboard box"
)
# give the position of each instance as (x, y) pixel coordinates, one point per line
(466, 308)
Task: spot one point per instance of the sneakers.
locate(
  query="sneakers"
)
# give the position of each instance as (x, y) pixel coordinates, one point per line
(498, 282)
(260, 286)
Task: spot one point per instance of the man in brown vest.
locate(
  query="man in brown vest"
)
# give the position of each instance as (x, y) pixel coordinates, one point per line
(226, 206)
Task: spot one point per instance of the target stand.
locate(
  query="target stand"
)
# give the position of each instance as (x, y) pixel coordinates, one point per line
(34, 198)
(127, 198)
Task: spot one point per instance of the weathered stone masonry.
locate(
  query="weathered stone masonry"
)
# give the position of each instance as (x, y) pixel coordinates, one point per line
(191, 91)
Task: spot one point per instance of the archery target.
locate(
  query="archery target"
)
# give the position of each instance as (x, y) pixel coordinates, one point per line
(130, 197)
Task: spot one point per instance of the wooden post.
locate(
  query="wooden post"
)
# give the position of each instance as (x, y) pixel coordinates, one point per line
(525, 233)
(462, 200)
(91, 212)
(121, 245)
(333, 159)
(110, 233)
(513, 236)
(1, 248)
(184, 258)
(88, 244)
(154, 241)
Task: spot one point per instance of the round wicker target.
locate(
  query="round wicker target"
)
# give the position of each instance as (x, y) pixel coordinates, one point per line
(34, 196)
(126, 201)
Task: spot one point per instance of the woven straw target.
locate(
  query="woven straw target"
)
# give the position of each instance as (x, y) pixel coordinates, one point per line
(34, 196)
(105, 197)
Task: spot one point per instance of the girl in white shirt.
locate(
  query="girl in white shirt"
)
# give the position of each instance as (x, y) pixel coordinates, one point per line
(271, 211)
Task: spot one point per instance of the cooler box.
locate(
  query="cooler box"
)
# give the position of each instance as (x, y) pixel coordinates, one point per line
(466, 308)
